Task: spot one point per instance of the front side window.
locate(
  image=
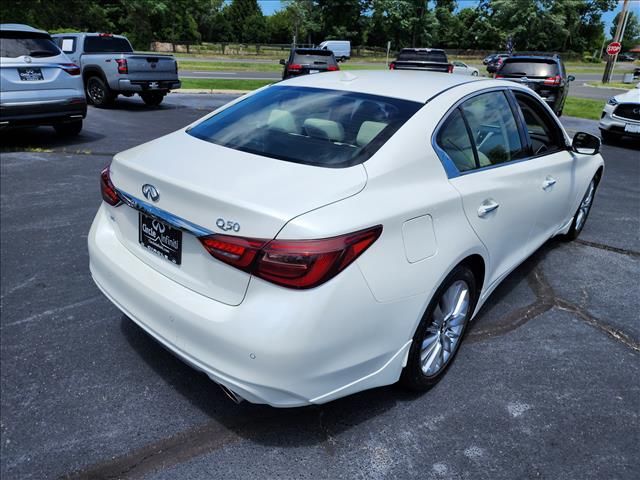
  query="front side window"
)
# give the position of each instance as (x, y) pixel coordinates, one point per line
(17, 44)
(543, 131)
(328, 128)
(493, 129)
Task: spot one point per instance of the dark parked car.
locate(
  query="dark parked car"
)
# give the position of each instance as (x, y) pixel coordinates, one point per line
(496, 61)
(545, 75)
(431, 59)
(490, 58)
(626, 57)
(303, 61)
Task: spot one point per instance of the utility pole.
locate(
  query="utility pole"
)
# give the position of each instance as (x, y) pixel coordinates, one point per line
(611, 59)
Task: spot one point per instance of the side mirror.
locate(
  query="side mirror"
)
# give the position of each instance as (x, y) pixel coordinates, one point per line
(571, 78)
(282, 62)
(585, 143)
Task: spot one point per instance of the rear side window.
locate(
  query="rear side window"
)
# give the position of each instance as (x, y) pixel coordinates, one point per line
(327, 128)
(481, 132)
(422, 56)
(493, 128)
(314, 57)
(67, 44)
(454, 139)
(529, 68)
(17, 44)
(99, 44)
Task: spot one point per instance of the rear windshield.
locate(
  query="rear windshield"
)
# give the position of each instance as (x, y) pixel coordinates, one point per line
(95, 44)
(17, 44)
(327, 128)
(422, 56)
(314, 57)
(529, 68)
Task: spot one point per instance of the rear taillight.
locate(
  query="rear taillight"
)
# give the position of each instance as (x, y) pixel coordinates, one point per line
(553, 80)
(296, 264)
(109, 193)
(450, 68)
(70, 68)
(294, 67)
(122, 65)
(392, 66)
(499, 76)
(333, 68)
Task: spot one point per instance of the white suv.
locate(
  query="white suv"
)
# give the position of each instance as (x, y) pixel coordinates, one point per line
(38, 83)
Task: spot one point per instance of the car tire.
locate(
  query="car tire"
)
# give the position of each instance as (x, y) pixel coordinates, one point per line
(582, 213)
(152, 99)
(440, 327)
(608, 138)
(68, 129)
(98, 92)
(474, 73)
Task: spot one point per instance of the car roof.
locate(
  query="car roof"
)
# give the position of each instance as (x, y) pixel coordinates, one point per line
(19, 27)
(421, 49)
(534, 58)
(417, 86)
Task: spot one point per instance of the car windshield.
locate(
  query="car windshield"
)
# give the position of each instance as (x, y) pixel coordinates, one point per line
(17, 44)
(422, 56)
(314, 57)
(327, 128)
(529, 68)
(106, 44)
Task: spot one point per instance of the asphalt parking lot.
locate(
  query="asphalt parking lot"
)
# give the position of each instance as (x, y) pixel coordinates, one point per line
(546, 384)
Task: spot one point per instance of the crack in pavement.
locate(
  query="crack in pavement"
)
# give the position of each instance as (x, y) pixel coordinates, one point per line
(546, 299)
(608, 248)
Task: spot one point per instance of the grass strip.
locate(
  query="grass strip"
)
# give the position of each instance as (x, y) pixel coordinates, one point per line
(223, 83)
(583, 108)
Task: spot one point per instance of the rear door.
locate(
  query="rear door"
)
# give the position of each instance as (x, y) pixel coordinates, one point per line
(498, 190)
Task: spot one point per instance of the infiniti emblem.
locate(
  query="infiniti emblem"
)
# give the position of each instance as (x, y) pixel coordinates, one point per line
(150, 192)
(27, 59)
(636, 111)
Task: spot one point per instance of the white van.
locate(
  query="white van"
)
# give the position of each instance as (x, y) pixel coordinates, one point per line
(341, 48)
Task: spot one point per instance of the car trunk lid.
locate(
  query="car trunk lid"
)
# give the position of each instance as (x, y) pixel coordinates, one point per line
(215, 189)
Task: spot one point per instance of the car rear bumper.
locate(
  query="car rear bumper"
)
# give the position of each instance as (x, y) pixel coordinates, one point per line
(42, 112)
(281, 347)
(126, 85)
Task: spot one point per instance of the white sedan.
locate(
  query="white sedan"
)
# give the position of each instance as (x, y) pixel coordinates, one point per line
(334, 233)
(621, 116)
(462, 68)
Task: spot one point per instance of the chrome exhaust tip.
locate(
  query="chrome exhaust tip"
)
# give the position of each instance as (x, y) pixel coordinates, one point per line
(235, 398)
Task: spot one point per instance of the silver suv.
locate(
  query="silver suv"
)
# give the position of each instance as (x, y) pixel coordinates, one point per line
(38, 83)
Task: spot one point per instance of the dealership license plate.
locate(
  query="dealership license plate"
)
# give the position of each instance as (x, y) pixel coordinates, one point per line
(314, 71)
(30, 74)
(632, 128)
(160, 238)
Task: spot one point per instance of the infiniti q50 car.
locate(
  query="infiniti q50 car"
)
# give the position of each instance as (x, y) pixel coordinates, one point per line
(335, 233)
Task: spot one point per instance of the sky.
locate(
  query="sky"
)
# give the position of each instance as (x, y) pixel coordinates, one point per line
(270, 6)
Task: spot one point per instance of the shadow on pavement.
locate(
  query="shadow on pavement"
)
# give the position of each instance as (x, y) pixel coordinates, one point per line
(45, 137)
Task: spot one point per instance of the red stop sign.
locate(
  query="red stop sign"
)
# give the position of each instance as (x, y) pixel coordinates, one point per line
(614, 48)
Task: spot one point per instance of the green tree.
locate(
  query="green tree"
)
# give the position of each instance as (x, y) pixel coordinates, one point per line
(447, 26)
(631, 32)
(244, 15)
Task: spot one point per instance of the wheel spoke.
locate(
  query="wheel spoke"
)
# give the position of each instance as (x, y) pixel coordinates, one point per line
(428, 362)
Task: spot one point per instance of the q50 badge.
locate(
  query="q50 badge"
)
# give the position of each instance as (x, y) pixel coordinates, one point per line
(227, 226)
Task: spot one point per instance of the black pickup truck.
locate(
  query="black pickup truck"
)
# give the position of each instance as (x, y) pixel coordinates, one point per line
(431, 59)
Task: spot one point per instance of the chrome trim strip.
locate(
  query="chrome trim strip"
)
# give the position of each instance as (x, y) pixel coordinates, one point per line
(163, 215)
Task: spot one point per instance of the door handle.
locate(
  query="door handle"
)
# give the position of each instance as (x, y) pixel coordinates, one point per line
(548, 182)
(487, 207)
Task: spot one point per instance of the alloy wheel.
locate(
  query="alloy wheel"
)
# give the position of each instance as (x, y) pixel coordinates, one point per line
(585, 206)
(447, 324)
